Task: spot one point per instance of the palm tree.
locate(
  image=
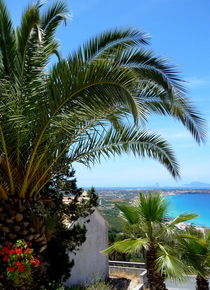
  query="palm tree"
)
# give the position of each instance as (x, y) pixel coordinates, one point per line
(195, 250)
(83, 108)
(149, 229)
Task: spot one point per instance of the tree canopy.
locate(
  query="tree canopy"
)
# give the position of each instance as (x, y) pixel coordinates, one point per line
(93, 104)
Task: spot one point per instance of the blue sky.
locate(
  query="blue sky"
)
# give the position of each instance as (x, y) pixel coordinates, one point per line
(180, 30)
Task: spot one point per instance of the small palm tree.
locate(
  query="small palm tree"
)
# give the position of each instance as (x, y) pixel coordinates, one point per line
(195, 251)
(147, 225)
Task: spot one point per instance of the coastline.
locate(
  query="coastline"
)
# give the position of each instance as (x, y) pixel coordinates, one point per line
(183, 191)
(181, 200)
(184, 225)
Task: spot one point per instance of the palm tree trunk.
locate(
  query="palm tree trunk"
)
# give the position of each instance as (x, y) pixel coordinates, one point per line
(201, 283)
(155, 278)
(18, 221)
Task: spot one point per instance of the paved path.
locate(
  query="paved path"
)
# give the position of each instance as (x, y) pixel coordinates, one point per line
(189, 284)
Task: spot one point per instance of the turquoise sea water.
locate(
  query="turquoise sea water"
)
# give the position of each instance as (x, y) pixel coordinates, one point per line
(196, 203)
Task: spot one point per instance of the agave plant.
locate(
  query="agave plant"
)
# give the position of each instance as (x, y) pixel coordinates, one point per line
(149, 229)
(83, 108)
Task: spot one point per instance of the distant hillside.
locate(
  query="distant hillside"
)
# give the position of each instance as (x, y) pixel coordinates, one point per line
(197, 184)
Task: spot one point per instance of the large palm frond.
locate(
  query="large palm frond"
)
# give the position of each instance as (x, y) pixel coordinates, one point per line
(90, 146)
(108, 43)
(88, 106)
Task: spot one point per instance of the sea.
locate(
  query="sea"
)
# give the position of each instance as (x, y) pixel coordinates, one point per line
(191, 203)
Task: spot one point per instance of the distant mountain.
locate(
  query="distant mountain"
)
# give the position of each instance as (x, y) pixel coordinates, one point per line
(197, 184)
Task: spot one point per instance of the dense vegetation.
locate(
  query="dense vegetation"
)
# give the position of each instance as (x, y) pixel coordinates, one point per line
(62, 239)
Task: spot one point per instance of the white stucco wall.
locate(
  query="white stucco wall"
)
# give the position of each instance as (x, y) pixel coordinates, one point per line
(89, 263)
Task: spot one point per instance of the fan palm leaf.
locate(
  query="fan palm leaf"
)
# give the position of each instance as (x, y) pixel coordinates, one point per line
(195, 250)
(148, 228)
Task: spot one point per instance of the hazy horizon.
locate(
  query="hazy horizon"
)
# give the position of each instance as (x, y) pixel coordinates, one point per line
(192, 185)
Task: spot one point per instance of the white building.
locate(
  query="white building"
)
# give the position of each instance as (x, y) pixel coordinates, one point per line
(89, 263)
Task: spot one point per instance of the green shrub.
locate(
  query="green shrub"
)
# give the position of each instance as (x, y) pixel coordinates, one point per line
(100, 285)
(74, 288)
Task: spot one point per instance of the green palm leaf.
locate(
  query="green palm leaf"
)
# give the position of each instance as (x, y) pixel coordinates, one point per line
(7, 43)
(170, 265)
(126, 246)
(108, 42)
(140, 143)
(130, 213)
(182, 218)
(194, 249)
(152, 207)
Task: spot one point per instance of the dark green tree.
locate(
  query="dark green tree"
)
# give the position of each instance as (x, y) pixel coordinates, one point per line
(65, 204)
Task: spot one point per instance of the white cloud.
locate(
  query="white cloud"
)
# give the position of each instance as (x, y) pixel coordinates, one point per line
(179, 135)
(175, 135)
(198, 82)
